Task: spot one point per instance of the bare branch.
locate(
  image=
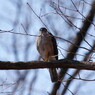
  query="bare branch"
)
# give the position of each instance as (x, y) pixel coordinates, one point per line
(26, 34)
(63, 63)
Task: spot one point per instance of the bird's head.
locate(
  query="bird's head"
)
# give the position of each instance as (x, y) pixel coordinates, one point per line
(43, 31)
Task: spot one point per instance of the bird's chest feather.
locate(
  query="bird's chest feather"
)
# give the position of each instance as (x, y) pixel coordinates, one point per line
(45, 47)
(46, 44)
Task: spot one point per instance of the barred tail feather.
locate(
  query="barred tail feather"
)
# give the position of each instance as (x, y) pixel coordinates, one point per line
(53, 75)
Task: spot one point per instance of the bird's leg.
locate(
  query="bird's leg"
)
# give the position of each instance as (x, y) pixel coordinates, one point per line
(45, 60)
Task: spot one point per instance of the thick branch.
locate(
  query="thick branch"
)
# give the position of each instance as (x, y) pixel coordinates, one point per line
(64, 63)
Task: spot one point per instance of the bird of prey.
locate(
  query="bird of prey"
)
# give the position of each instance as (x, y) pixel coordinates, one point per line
(47, 47)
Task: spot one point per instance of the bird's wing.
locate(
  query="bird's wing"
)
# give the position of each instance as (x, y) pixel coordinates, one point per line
(54, 46)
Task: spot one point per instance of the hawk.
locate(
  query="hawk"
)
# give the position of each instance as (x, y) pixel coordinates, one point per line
(47, 47)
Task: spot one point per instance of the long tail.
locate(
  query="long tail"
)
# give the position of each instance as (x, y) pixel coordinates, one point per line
(53, 75)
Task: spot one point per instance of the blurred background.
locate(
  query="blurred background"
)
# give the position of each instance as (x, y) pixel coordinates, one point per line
(72, 20)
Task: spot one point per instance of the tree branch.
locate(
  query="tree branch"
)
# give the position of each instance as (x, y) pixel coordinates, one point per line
(63, 63)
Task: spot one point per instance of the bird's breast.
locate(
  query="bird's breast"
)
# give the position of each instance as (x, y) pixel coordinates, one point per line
(45, 47)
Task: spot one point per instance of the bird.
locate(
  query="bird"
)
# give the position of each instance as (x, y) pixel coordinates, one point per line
(47, 47)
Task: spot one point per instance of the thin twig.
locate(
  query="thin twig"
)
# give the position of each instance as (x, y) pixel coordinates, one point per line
(36, 15)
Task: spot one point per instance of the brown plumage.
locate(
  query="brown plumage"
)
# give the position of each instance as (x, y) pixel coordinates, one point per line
(47, 47)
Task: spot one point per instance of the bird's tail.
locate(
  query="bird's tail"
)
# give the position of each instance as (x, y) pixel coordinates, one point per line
(53, 75)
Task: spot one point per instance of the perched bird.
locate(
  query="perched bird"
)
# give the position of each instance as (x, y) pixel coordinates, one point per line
(47, 47)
